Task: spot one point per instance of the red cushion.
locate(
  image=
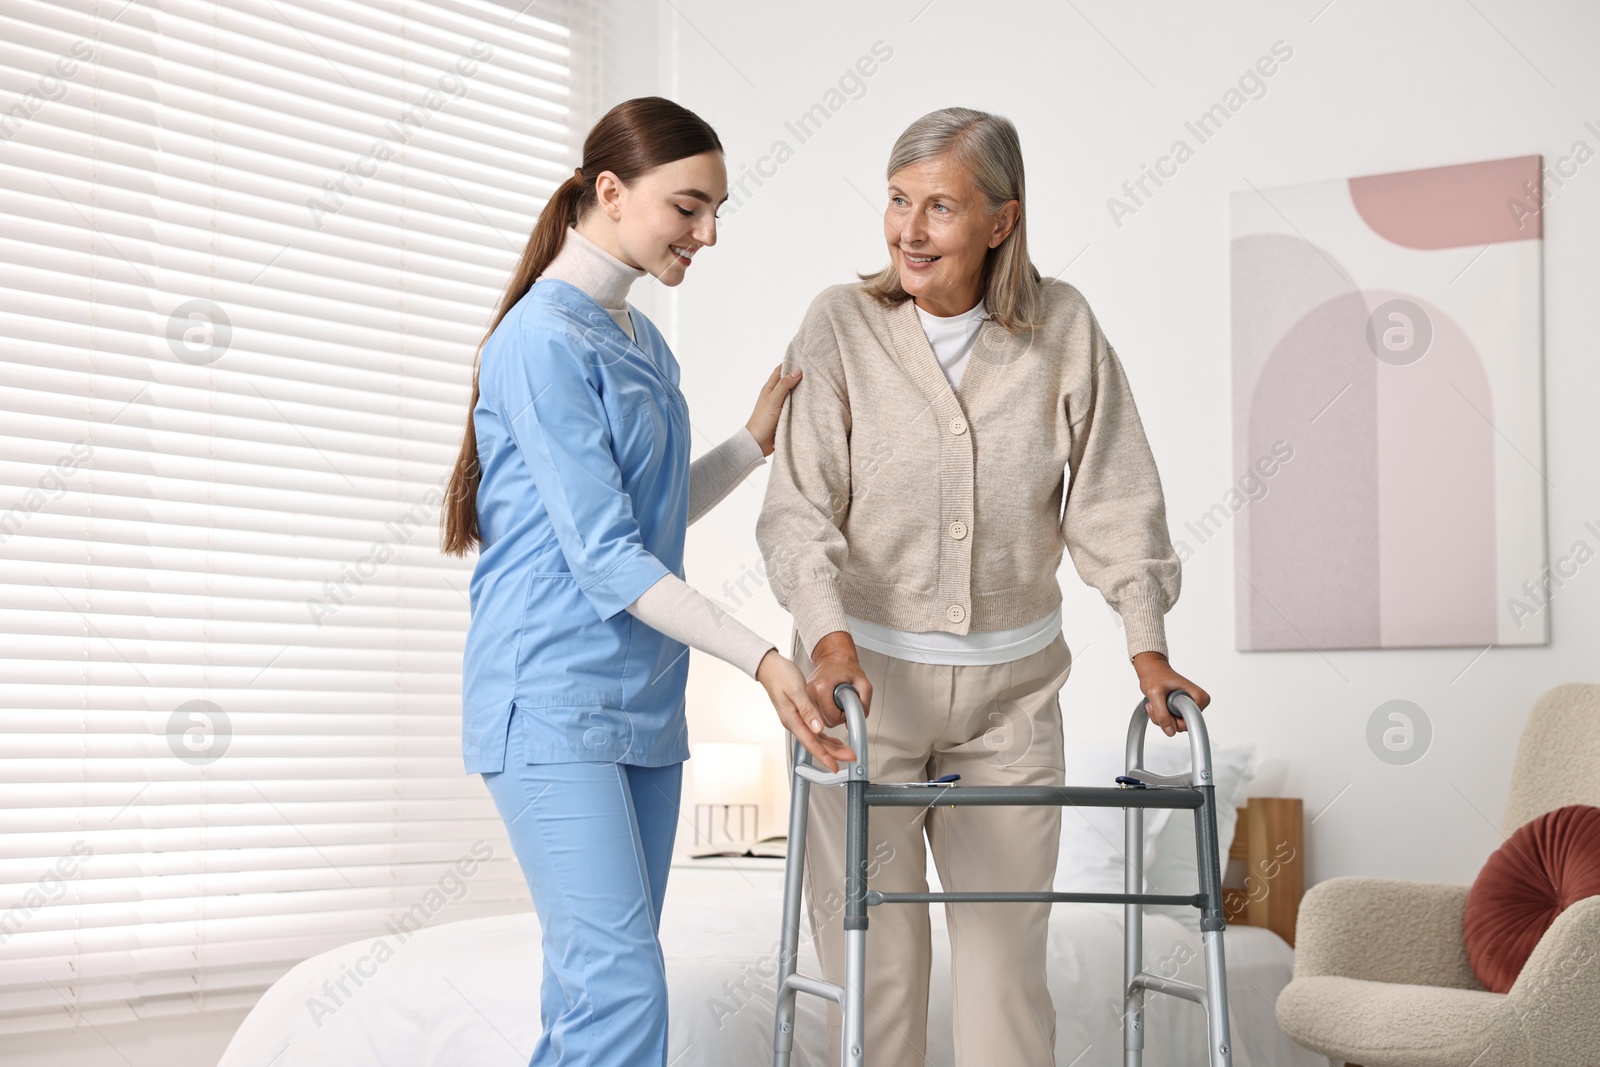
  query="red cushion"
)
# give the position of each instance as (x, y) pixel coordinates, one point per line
(1546, 866)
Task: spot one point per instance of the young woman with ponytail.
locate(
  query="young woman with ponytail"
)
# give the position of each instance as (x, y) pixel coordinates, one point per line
(574, 482)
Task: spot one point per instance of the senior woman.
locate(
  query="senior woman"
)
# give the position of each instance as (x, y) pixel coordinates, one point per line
(913, 526)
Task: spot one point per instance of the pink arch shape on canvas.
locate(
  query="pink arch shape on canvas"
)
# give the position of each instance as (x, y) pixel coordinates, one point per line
(1381, 531)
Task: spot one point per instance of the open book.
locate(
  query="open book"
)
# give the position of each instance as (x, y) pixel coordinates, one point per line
(775, 846)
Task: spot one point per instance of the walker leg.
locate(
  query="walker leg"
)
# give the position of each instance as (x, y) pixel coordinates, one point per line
(853, 1051)
(1132, 938)
(1211, 926)
(793, 883)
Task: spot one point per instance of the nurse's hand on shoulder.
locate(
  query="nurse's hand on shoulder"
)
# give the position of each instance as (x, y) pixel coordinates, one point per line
(763, 424)
(786, 688)
(1156, 680)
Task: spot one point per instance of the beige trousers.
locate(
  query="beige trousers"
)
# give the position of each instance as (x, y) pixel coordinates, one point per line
(993, 725)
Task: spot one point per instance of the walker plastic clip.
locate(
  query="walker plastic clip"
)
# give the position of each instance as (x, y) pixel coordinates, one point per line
(943, 779)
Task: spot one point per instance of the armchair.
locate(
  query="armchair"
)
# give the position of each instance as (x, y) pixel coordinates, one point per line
(1381, 972)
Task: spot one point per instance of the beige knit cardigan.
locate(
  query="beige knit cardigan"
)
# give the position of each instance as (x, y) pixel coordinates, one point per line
(899, 500)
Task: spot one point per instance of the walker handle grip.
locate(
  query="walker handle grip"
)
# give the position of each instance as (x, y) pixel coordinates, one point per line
(855, 718)
(1182, 706)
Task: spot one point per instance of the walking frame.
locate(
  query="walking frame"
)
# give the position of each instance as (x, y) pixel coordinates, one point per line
(1139, 789)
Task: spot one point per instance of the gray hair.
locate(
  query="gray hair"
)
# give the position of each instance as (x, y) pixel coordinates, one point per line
(988, 148)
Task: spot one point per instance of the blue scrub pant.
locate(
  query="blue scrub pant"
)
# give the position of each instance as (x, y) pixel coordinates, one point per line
(595, 843)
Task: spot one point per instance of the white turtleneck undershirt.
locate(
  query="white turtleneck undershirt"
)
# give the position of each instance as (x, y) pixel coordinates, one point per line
(671, 605)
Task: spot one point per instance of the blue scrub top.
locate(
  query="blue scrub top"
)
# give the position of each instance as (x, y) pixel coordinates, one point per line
(583, 443)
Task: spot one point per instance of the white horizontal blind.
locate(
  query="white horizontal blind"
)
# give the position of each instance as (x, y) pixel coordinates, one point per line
(246, 254)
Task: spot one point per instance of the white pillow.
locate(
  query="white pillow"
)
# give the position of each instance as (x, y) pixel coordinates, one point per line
(1090, 857)
(1171, 867)
(1090, 860)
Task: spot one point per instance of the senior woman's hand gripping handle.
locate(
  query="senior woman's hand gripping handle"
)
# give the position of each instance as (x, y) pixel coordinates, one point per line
(1156, 680)
(834, 660)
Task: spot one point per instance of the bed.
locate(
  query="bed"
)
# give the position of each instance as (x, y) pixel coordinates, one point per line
(466, 992)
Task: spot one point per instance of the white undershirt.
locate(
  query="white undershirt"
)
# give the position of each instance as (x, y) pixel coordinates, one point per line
(951, 338)
(969, 649)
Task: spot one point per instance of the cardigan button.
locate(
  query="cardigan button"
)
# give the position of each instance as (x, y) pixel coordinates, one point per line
(958, 529)
(958, 425)
(956, 613)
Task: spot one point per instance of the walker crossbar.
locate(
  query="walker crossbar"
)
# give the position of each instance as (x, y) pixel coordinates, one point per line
(1069, 796)
(1194, 791)
(1196, 900)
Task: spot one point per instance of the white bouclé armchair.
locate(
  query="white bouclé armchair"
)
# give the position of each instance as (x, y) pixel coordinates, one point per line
(1381, 974)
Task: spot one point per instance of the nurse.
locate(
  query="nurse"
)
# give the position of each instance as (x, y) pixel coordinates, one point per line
(574, 482)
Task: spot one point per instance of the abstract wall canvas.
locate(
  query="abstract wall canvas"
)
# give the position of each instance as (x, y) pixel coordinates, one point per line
(1387, 372)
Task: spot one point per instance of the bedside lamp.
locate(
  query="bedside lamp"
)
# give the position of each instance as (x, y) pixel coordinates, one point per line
(727, 779)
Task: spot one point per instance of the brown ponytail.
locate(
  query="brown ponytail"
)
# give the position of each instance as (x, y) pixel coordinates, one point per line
(634, 137)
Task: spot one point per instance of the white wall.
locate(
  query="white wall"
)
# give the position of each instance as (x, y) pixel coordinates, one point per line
(1370, 88)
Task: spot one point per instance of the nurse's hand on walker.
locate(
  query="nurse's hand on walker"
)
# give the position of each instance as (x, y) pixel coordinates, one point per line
(763, 424)
(1156, 680)
(786, 688)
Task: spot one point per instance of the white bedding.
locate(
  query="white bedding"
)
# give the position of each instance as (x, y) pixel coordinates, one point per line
(467, 992)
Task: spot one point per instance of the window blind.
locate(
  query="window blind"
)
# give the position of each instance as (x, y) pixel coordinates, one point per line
(248, 252)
